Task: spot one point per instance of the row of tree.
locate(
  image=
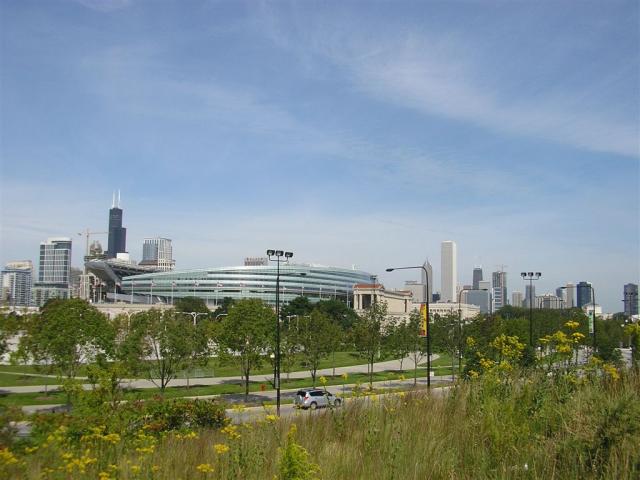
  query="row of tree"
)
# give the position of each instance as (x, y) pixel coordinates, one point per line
(159, 344)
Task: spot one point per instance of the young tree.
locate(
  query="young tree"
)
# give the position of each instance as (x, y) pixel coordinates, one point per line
(165, 338)
(400, 340)
(368, 334)
(66, 334)
(245, 334)
(191, 304)
(418, 345)
(338, 311)
(314, 336)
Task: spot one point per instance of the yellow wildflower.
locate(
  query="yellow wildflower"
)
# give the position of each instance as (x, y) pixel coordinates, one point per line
(221, 448)
(323, 380)
(204, 468)
(7, 457)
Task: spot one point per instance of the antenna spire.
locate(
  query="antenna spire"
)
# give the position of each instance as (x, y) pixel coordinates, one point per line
(118, 198)
(113, 202)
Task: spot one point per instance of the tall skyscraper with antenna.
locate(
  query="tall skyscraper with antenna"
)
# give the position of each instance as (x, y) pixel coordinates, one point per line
(117, 234)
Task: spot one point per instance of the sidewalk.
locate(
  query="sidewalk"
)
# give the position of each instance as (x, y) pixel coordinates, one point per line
(265, 378)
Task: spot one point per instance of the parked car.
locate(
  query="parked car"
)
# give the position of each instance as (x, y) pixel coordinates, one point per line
(315, 398)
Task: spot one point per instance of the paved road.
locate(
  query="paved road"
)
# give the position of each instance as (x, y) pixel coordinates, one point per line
(181, 382)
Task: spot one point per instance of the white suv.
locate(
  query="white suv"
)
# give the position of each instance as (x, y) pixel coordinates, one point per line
(314, 397)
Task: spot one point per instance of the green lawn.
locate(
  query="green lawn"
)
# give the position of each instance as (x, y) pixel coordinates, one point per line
(10, 380)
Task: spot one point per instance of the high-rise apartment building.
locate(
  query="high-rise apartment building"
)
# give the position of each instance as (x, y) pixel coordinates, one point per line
(517, 299)
(583, 294)
(448, 273)
(499, 283)
(158, 252)
(54, 270)
(529, 296)
(421, 288)
(477, 277)
(117, 234)
(630, 297)
(17, 280)
(569, 295)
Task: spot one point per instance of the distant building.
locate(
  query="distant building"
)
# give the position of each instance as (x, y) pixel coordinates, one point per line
(399, 302)
(499, 285)
(479, 298)
(529, 296)
(549, 301)
(630, 298)
(157, 252)
(517, 299)
(419, 289)
(54, 270)
(448, 271)
(477, 277)
(569, 295)
(17, 280)
(117, 234)
(446, 309)
(583, 294)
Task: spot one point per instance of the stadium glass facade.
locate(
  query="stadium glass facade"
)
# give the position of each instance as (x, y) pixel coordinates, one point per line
(212, 285)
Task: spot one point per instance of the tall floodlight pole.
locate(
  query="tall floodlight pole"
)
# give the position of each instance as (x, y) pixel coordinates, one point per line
(277, 256)
(426, 301)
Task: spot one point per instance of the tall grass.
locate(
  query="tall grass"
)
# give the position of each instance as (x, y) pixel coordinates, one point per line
(538, 426)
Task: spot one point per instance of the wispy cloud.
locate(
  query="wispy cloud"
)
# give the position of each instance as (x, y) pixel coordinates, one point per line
(451, 76)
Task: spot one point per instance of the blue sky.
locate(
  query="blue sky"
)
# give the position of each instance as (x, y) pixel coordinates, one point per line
(353, 133)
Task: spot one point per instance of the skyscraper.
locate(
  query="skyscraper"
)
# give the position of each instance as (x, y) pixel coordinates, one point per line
(516, 299)
(54, 270)
(157, 252)
(569, 300)
(17, 279)
(630, 297)
(477, 277)
(499, 281)
(448, 271)
(529, 296)
(117, 234)
(583, 294)
(429, 268)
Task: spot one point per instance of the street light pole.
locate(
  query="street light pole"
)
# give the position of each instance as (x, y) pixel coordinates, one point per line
(426, 300)
(531, 277)
(278, 254)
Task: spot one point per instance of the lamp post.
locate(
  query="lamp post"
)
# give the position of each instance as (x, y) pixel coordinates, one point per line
(426, 301)
(194, 315)
(277, 256)
(531, 277)
(593, 302)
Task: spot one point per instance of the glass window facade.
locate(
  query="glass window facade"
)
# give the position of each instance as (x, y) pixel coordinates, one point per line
(212, 285)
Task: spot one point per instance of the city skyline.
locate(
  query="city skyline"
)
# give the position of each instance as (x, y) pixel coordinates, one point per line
(351, 136)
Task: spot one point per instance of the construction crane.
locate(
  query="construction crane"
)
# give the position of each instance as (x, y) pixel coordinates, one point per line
(88, 233)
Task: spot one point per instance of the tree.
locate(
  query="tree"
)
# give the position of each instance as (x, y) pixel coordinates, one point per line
(418, 347)
(223, 307)
(445, 335)
(165, 338)
(245, 334)
(368, 334)
(297, 307)
(191, 304)
(400, 340)
(338, 311)
(8, 327)
(314, 336)
(66, 334)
